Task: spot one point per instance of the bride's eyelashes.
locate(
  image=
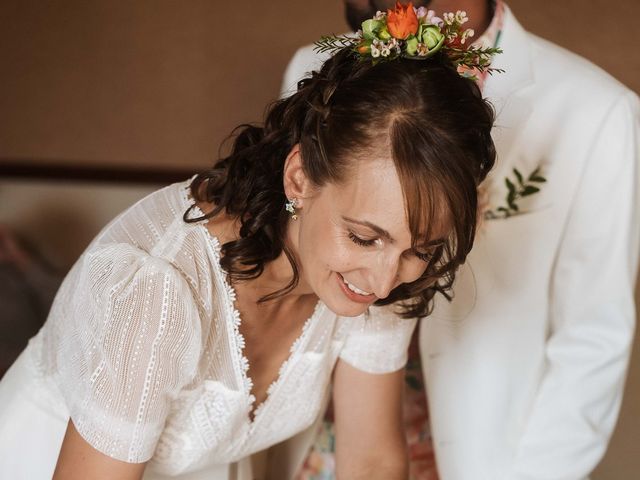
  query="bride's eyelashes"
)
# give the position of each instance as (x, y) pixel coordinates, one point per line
(362, 241)
(365, 242)
(425, 257)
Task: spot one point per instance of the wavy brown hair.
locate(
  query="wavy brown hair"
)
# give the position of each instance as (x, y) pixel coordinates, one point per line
(434, 124)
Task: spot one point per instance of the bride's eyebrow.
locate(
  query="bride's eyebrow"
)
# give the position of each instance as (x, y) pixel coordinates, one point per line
(379, 230)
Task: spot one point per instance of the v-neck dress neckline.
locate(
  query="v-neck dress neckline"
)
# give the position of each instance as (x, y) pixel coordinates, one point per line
(254, 411)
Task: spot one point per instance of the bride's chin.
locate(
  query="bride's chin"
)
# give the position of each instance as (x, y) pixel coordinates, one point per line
(342, 309)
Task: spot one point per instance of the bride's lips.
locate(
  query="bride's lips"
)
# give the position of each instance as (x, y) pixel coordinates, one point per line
(351, 295)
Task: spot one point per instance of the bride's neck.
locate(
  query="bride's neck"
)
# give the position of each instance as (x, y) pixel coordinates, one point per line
(277, 274)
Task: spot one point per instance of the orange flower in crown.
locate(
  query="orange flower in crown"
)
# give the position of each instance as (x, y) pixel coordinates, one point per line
(402, 21)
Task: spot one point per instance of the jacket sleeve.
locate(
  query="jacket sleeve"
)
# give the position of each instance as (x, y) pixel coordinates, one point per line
(300, 66)
(592, 313)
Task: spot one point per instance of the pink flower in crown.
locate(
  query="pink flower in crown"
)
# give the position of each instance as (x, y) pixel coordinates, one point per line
(429, 17)
(433, 20)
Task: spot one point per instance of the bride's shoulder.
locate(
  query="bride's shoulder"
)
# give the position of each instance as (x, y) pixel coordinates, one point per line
(220, 226)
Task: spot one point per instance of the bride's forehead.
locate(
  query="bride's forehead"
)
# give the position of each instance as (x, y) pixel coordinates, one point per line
(374, 168)
(370, 183)
(372, 188)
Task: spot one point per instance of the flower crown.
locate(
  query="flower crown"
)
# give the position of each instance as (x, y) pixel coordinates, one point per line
(415, 33)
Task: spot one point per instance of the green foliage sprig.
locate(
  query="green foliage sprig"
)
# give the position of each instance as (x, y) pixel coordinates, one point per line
(475, 58)
(333, 43)
(517, 188)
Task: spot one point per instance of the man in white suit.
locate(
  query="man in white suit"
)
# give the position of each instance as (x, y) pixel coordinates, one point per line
(525, 368)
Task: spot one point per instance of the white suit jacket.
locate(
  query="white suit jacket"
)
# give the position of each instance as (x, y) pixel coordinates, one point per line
(525, 368)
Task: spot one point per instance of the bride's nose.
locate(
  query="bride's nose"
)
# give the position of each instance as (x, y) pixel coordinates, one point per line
(384, 275)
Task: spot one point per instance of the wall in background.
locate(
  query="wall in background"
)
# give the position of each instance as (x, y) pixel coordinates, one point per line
(151, 83)
(162, 83)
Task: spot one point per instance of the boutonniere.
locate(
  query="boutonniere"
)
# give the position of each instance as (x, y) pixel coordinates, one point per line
(517, 188)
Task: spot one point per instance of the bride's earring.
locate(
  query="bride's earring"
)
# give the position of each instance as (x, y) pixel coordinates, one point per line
(291, 206)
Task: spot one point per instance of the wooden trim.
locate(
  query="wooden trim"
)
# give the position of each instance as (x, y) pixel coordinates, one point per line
(34, 169)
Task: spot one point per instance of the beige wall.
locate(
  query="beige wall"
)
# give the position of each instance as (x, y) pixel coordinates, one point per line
(149, 82)
(162, 82)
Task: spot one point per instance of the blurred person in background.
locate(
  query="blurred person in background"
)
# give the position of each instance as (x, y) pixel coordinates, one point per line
(525, 369)
(27, 287)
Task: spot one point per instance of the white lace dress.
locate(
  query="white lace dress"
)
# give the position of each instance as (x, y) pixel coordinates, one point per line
(142, 350)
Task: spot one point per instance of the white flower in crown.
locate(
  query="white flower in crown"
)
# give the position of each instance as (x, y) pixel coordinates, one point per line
(394, 45)
(466, 34)
(461, 17)
(422, 49)
(379, 15)
(449, 18)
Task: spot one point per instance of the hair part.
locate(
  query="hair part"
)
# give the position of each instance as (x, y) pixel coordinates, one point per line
(435, 125)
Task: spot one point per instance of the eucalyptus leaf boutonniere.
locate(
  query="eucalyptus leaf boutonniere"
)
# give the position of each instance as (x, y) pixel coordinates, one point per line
(517, 188)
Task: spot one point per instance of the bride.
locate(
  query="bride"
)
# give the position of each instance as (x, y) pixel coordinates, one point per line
(206, 322)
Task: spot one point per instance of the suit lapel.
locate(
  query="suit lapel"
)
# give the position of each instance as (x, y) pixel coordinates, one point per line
(515, 60)
(506, 93)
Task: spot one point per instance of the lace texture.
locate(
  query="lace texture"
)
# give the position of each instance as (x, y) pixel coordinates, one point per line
(143, 345)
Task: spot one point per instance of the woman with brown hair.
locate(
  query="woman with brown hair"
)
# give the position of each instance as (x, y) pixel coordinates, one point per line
(205, 323)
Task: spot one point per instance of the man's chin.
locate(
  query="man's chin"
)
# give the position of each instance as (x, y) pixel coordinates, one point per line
(355, 16)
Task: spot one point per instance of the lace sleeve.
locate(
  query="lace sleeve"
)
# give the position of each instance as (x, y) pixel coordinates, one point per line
(130, 342)
(379, 341)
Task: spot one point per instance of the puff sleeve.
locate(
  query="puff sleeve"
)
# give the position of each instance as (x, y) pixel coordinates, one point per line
(378, 341)
(128, 341)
